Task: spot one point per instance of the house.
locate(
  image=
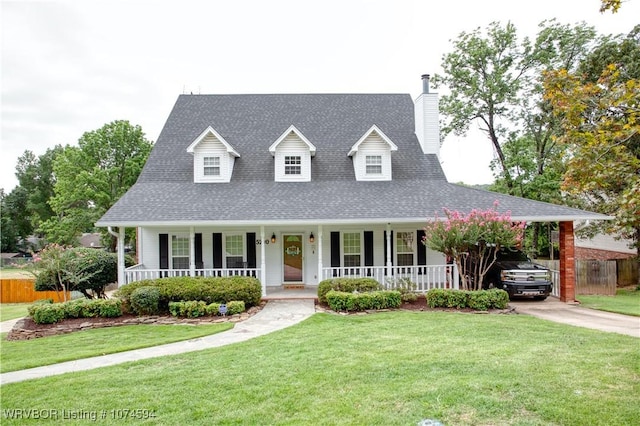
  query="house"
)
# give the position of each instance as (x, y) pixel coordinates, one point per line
(91, 240)
(297, 188)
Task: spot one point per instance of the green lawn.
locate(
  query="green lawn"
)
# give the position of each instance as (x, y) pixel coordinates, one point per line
(22, 354)
(10, 311)
(392, 368)
(624, 302)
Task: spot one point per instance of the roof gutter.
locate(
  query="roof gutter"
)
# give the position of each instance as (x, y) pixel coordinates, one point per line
(371, 221)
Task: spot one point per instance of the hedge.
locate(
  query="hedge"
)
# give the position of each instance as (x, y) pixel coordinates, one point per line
(49, 313)
(199, 308)
(343, 301)
(206, 289)
(347, 285)
(480, 300)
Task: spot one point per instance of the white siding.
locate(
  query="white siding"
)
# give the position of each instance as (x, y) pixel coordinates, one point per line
(426, 121)
(210, 146)
(372, 145)
(292, 145)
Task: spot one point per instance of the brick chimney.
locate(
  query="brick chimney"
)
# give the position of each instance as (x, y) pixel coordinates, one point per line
(426, 119)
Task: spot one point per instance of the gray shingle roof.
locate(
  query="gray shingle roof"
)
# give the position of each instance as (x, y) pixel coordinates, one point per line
(165, 191)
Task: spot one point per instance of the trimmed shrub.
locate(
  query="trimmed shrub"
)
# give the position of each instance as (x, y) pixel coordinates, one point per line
(347, 285)
(48, 313)
(198, 308)
(235, 307)
(31, 309)
(480, 300)
(145, 300)
(207, 289)
(109, 308)
(343, 301)
(213, 309)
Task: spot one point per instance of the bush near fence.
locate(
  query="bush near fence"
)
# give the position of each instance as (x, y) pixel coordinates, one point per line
(21, 290)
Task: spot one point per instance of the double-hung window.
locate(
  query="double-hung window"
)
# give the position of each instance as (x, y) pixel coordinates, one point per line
(211, 166)
(179, 252)
(373, 164)
(292, 165)
(234, 251)
(352, 249)
(404, 248)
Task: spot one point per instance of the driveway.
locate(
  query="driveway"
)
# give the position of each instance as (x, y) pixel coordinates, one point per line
(554, 310)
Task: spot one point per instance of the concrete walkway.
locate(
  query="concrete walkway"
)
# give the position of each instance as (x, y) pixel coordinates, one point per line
(276, 315)
(554, 310)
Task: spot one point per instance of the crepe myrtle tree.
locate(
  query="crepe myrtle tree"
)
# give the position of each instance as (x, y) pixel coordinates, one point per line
(473, 240)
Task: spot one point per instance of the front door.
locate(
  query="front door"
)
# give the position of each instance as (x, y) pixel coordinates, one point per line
(292, 257)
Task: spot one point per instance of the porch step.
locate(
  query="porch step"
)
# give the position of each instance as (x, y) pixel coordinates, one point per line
(293, 286)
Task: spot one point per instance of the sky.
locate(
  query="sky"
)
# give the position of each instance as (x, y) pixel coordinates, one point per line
(71, 66)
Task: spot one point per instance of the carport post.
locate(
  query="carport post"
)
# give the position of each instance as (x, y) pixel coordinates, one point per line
(567, 263)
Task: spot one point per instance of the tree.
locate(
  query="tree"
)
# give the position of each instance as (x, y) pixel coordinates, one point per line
(533, 158)
(613, 5)
(485, 74)
(35, 175)
(15, 225)
(473, 240)
(601, 123)
(91, 177)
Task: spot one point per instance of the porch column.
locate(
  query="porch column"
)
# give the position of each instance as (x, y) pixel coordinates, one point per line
(121, 264)
(388, 242)
(192, 252)
(320, 274)
(263, 263)
(567, 263)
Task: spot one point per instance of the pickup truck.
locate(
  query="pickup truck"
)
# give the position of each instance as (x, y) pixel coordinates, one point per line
(515, 273)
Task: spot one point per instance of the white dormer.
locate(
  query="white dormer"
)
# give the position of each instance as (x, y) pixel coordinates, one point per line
(292, 152)
(213, 157)
(372, 155)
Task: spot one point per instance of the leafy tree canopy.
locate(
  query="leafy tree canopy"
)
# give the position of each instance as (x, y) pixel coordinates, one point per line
(92, 176)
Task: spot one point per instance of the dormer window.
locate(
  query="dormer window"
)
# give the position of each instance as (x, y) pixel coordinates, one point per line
(372, 155)
(292, 165)
(292, 152)
(374, 165)
(211, 166)
(213, 157)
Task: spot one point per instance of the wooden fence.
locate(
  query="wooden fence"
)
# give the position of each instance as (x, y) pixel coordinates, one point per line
(627, 271)
(600, 276)
(15, 290)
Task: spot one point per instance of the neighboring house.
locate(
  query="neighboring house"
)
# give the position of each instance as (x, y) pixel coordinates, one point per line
(603, 247)
(91, 240)
(296, 188)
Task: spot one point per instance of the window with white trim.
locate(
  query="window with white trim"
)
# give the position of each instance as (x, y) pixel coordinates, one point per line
(211, 166)
(179, 252)
(234, 251)
(351, 249)
(292, 165)
(404, 248)
(373, 164)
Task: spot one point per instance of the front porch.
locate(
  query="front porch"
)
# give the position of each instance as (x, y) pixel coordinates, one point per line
(424, 277)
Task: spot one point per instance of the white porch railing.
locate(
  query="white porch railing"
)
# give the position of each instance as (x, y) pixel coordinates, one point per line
(139, 273)
(424, 277)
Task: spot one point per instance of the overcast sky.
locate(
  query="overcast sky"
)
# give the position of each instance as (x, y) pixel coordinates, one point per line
(69, 67)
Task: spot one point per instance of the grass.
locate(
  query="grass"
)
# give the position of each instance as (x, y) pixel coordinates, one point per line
(392, 368)
(624, 302)
(9, 311)
(22, 354)
(13, 272)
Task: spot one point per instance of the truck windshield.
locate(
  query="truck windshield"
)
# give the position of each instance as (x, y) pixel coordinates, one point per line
(507, 254)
